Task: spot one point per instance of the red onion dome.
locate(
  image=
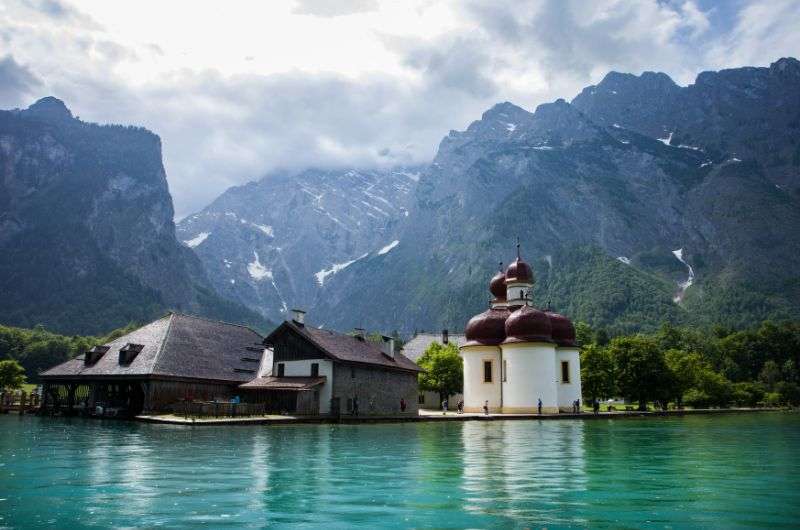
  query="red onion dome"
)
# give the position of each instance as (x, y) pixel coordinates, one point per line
(528, 324)
(498, 286)
(519, 271)
(488, 328)
(563, 330)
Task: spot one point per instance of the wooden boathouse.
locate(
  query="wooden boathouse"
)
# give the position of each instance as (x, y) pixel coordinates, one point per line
(176, 359)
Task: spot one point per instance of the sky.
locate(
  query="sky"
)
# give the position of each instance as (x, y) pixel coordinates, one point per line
(240, 89)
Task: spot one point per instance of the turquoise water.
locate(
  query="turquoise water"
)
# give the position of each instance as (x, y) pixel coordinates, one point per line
(727, 471)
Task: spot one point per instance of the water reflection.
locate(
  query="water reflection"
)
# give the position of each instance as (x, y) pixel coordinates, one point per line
(717, 472)
(524, 471)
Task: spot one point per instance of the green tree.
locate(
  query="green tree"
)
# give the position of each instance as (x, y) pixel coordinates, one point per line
(444, 370)
(711, 390)
(770, 374)
(789, 392)
(597, 373)
(12, 374)
(639, 367)
(584, 334)
(684, 368)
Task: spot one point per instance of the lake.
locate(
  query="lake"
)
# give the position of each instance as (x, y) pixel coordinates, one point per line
(724, 471)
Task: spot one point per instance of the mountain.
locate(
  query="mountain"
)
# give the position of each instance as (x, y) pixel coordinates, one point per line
(278, 242)
(639, 202)
(87, 240)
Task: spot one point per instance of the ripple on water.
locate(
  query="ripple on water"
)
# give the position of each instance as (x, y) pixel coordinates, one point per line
(722, 472)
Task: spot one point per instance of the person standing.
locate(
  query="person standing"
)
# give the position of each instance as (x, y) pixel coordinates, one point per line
(402, 405)
(539, 405)
(355, 405)
(486, 407)
(444, 407)
(461, 406)
(596, 406)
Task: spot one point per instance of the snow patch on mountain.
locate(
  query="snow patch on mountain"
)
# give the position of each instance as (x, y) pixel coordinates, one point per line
(388, 247)
(264, 228)
(192, 243)
(258, 271)
(336, 267)
(623, 259)
(511, 127)
(666, 140)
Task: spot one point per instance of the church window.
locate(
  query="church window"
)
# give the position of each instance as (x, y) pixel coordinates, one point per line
(565, 371)
(487, 371)
(314, 369)
(281, 369)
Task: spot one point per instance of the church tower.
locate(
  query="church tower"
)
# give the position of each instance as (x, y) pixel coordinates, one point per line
(519, 283)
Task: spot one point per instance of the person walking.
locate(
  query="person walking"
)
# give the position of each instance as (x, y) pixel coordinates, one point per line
(444, 407)
(539, 405)
(402, 405)
(596, 406)
(486, 407)
(461, 406)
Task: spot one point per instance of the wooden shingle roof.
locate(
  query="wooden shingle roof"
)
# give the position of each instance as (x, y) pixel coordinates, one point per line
(177, 345)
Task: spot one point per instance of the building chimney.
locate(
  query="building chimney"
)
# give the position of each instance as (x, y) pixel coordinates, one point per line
(360, 334)
(387, 346)
(299, 317)
(445, 336)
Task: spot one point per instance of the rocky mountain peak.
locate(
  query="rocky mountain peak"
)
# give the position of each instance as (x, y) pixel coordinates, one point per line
(50, 109)
(560, 121)
(786, 66)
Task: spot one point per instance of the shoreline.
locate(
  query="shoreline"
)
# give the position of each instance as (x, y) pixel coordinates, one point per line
(437, 416)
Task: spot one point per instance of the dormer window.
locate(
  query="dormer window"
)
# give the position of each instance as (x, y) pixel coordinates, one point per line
(129, 352)
(93, 355)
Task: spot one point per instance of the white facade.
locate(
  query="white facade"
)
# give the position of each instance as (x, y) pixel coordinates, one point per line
(568, 390)
(303, 369)
(534, 363)
(530, 376)
(476, 389)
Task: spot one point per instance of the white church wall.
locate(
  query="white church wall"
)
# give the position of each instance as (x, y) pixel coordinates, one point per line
(530, 375)
(568, 392)
(476, 391)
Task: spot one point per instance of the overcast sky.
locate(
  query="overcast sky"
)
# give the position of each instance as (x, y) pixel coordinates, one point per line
(239, 89)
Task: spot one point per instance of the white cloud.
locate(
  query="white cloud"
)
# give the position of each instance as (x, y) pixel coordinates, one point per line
(248, 88)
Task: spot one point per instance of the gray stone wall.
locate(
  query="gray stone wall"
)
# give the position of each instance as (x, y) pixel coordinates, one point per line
(378, 390)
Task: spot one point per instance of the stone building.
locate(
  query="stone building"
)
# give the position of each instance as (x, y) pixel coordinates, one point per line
(415, 348)
(517, 355)
(317, 371)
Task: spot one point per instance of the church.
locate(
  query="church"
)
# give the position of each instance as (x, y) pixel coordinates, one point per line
(516, 354)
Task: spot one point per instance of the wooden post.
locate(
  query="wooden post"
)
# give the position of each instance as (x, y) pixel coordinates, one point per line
(22, 402)
(43, 403)
(70, 399)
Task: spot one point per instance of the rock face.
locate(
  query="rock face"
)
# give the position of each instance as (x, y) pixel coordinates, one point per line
(87, 241)
(640, 202)
(279, 242)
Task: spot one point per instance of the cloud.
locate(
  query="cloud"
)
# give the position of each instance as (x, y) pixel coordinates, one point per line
(376, 89)
(327, 8)
(764, 32)
(17, 83)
